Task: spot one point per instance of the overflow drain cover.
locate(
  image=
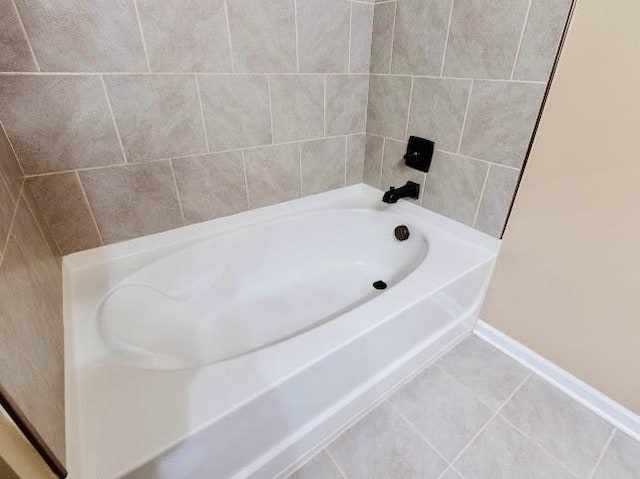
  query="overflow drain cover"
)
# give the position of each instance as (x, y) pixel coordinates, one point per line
(380, 285)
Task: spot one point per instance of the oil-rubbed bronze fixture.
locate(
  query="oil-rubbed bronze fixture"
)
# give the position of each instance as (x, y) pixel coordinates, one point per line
(419, 153)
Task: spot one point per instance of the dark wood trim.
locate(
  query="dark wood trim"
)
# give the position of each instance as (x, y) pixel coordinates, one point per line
(544, 102)
(30, 432)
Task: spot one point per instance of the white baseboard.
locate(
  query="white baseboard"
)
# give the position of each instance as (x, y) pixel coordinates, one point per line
(605, 407)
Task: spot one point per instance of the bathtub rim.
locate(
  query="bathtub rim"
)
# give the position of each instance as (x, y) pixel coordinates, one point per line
(197, 232)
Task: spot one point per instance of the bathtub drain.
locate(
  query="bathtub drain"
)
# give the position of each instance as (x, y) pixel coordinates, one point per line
(380, 285)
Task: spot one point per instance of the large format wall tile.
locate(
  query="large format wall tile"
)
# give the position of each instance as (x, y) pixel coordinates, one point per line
(388, 105)
(356, 150)
(437, 110)
(61, 201)
(496, 200)
(58, 122)
(573, 434)
(263, 35)
(500, 121)
(420, 35)
(323, 165)
(361, 33)
(394, 171)
(84, 35)
(9, 168)
(31, 335)
(484, 36)
(346, 104)
(15, 55)
(383, 445)
(273, 174)
(382, 39)
(541, 39)
(158, 116)
(297, 103)
(323, 35)
(236, 110)
(211, 186)
(185, 35)
(454, 185)
(374, 146)
(132, 200)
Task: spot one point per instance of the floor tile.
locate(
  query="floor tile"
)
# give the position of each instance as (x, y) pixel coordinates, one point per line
(446, 413)
(320, 467)
(501, 452)
(450, 474)
(565, 428)
(382, 446)
(490, 374)
(621, 459)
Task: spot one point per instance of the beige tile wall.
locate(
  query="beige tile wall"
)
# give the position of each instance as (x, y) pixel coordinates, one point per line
(134, 117)
(31, 342)
(470, 75)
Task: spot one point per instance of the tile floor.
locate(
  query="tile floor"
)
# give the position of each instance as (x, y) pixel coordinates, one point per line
(477, 414)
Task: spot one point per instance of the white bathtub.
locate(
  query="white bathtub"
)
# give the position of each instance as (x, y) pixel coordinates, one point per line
(235, 347)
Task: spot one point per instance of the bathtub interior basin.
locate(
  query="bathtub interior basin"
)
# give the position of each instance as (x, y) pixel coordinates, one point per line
(253, 288)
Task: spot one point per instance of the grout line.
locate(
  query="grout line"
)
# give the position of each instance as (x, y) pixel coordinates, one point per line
(93, 216)
(204, 123)
(393, 35)
(524, 27)
(324, 106)
(413, 427)
(335, 463)
(246, 182)
(480, 160)
(124, 73)
(346, 158)
(194, 155)
(300, 166)
(113, 118)
(13, 150)
(144, 43)
(384, 144)
(602, 453)
(26, 37)
(484, 186)
(466, 113)
(273, 136)
(202, 73)
(295, 19)
(446, 40)
(491, 419)
(226, 15)
(175, 185)
(406, 128)
(507, 80)
(350, 32)
(540, 446)
(4, 247)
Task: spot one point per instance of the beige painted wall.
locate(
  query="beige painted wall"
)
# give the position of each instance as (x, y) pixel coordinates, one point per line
(567, 282)
(17, 456)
